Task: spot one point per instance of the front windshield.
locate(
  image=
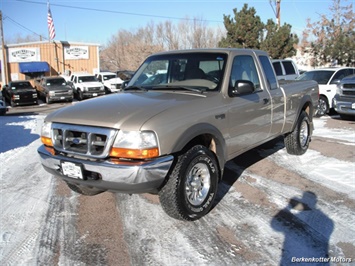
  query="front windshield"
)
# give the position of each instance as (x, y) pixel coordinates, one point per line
(195, 71)
(87, 79)
(20, 85)
(107, 77)
(51, 82)
(320, 76)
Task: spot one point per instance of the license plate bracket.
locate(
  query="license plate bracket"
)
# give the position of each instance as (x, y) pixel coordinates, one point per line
(73, 170)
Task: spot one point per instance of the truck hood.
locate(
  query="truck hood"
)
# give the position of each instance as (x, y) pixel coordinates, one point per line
(91, 84)
(114, 81)
(126, 110)
(58, 88)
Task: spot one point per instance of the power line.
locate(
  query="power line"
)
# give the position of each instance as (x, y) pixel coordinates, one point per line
(22, 26)
(117, 12)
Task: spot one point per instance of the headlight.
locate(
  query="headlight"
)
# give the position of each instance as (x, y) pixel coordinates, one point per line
(34, 95)
(135, 145)
(339, 91)
(102, 88)
(46, 136)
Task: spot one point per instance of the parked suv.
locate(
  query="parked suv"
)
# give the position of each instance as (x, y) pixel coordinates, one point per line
(285, 69)
(344, 100)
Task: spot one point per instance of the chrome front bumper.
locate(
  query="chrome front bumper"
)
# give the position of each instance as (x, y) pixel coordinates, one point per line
(140, 177)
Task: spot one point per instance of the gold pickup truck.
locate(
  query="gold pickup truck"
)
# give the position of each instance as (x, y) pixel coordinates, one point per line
(179, 119)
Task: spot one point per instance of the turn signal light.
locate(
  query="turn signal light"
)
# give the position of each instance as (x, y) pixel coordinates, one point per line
(134, 153)
(47, 141)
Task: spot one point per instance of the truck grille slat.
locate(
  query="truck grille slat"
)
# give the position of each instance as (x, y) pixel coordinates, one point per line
(87, 141)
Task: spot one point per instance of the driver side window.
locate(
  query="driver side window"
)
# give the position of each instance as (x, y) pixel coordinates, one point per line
(244, 69)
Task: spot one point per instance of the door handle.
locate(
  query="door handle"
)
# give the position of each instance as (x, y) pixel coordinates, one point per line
(266, 100)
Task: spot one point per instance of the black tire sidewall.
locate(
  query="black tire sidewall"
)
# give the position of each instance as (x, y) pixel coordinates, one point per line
(303, 118)
(198, 154)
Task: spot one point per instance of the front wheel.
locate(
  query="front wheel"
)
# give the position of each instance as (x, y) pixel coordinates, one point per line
(192, 185)
(297, 141)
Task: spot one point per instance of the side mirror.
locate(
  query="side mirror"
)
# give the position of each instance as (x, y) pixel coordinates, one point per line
(242, 87)
(124, 84)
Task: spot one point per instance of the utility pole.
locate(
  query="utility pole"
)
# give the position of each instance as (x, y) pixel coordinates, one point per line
(4, 75)
(278, 13)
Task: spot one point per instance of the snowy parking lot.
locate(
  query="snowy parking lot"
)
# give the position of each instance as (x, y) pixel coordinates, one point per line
(272, 208)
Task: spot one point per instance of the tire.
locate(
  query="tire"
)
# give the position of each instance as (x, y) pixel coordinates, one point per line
(323, 106)
(297, 141)
(192, 185)
(80, 95)
(87, 191)
(48, 101)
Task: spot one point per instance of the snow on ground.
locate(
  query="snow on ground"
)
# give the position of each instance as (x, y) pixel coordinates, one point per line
(25, 190)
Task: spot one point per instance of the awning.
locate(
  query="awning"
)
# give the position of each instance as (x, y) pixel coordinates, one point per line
(27, 67)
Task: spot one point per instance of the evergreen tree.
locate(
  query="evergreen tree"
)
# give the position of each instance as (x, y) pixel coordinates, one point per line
(279, 43)
(244, 30)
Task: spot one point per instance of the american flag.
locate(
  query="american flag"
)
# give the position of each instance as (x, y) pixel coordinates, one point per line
(51, 28)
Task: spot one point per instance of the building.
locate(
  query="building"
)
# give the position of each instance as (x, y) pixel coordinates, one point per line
(27, 61)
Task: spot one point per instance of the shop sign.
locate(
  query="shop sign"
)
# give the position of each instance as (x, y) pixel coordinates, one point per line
(23, 55)
(76, 52)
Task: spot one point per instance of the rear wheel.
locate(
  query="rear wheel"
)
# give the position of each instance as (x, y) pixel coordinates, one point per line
(323, 106)
(297, 141)
(192, 185)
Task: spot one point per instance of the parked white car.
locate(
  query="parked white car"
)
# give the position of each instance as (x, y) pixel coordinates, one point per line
(327, 79)
(285, 69)
(110, 80)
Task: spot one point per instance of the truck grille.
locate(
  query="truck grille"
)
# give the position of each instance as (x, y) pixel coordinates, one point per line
(94, 89)
(349, 92)
(63, 93)
(87, 141)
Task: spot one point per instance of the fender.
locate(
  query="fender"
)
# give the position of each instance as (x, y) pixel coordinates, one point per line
(305, 102)
(199, 130)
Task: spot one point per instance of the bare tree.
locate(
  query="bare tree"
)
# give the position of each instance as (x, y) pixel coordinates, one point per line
(332, 36)
(128, 49)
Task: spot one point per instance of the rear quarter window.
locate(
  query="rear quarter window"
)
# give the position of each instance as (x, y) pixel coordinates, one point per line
(278, 68)
(289, 68)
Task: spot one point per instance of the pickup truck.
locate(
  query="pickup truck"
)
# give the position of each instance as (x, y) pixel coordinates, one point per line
(172, 133)
(86, 85)
(110, 80)
(19, 92)
(53, 89)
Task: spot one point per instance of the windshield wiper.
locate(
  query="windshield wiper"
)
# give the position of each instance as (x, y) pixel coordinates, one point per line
(135, 88)
(201, 90)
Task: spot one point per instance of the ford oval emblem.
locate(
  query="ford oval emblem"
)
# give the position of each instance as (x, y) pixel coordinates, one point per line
(76, 141)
